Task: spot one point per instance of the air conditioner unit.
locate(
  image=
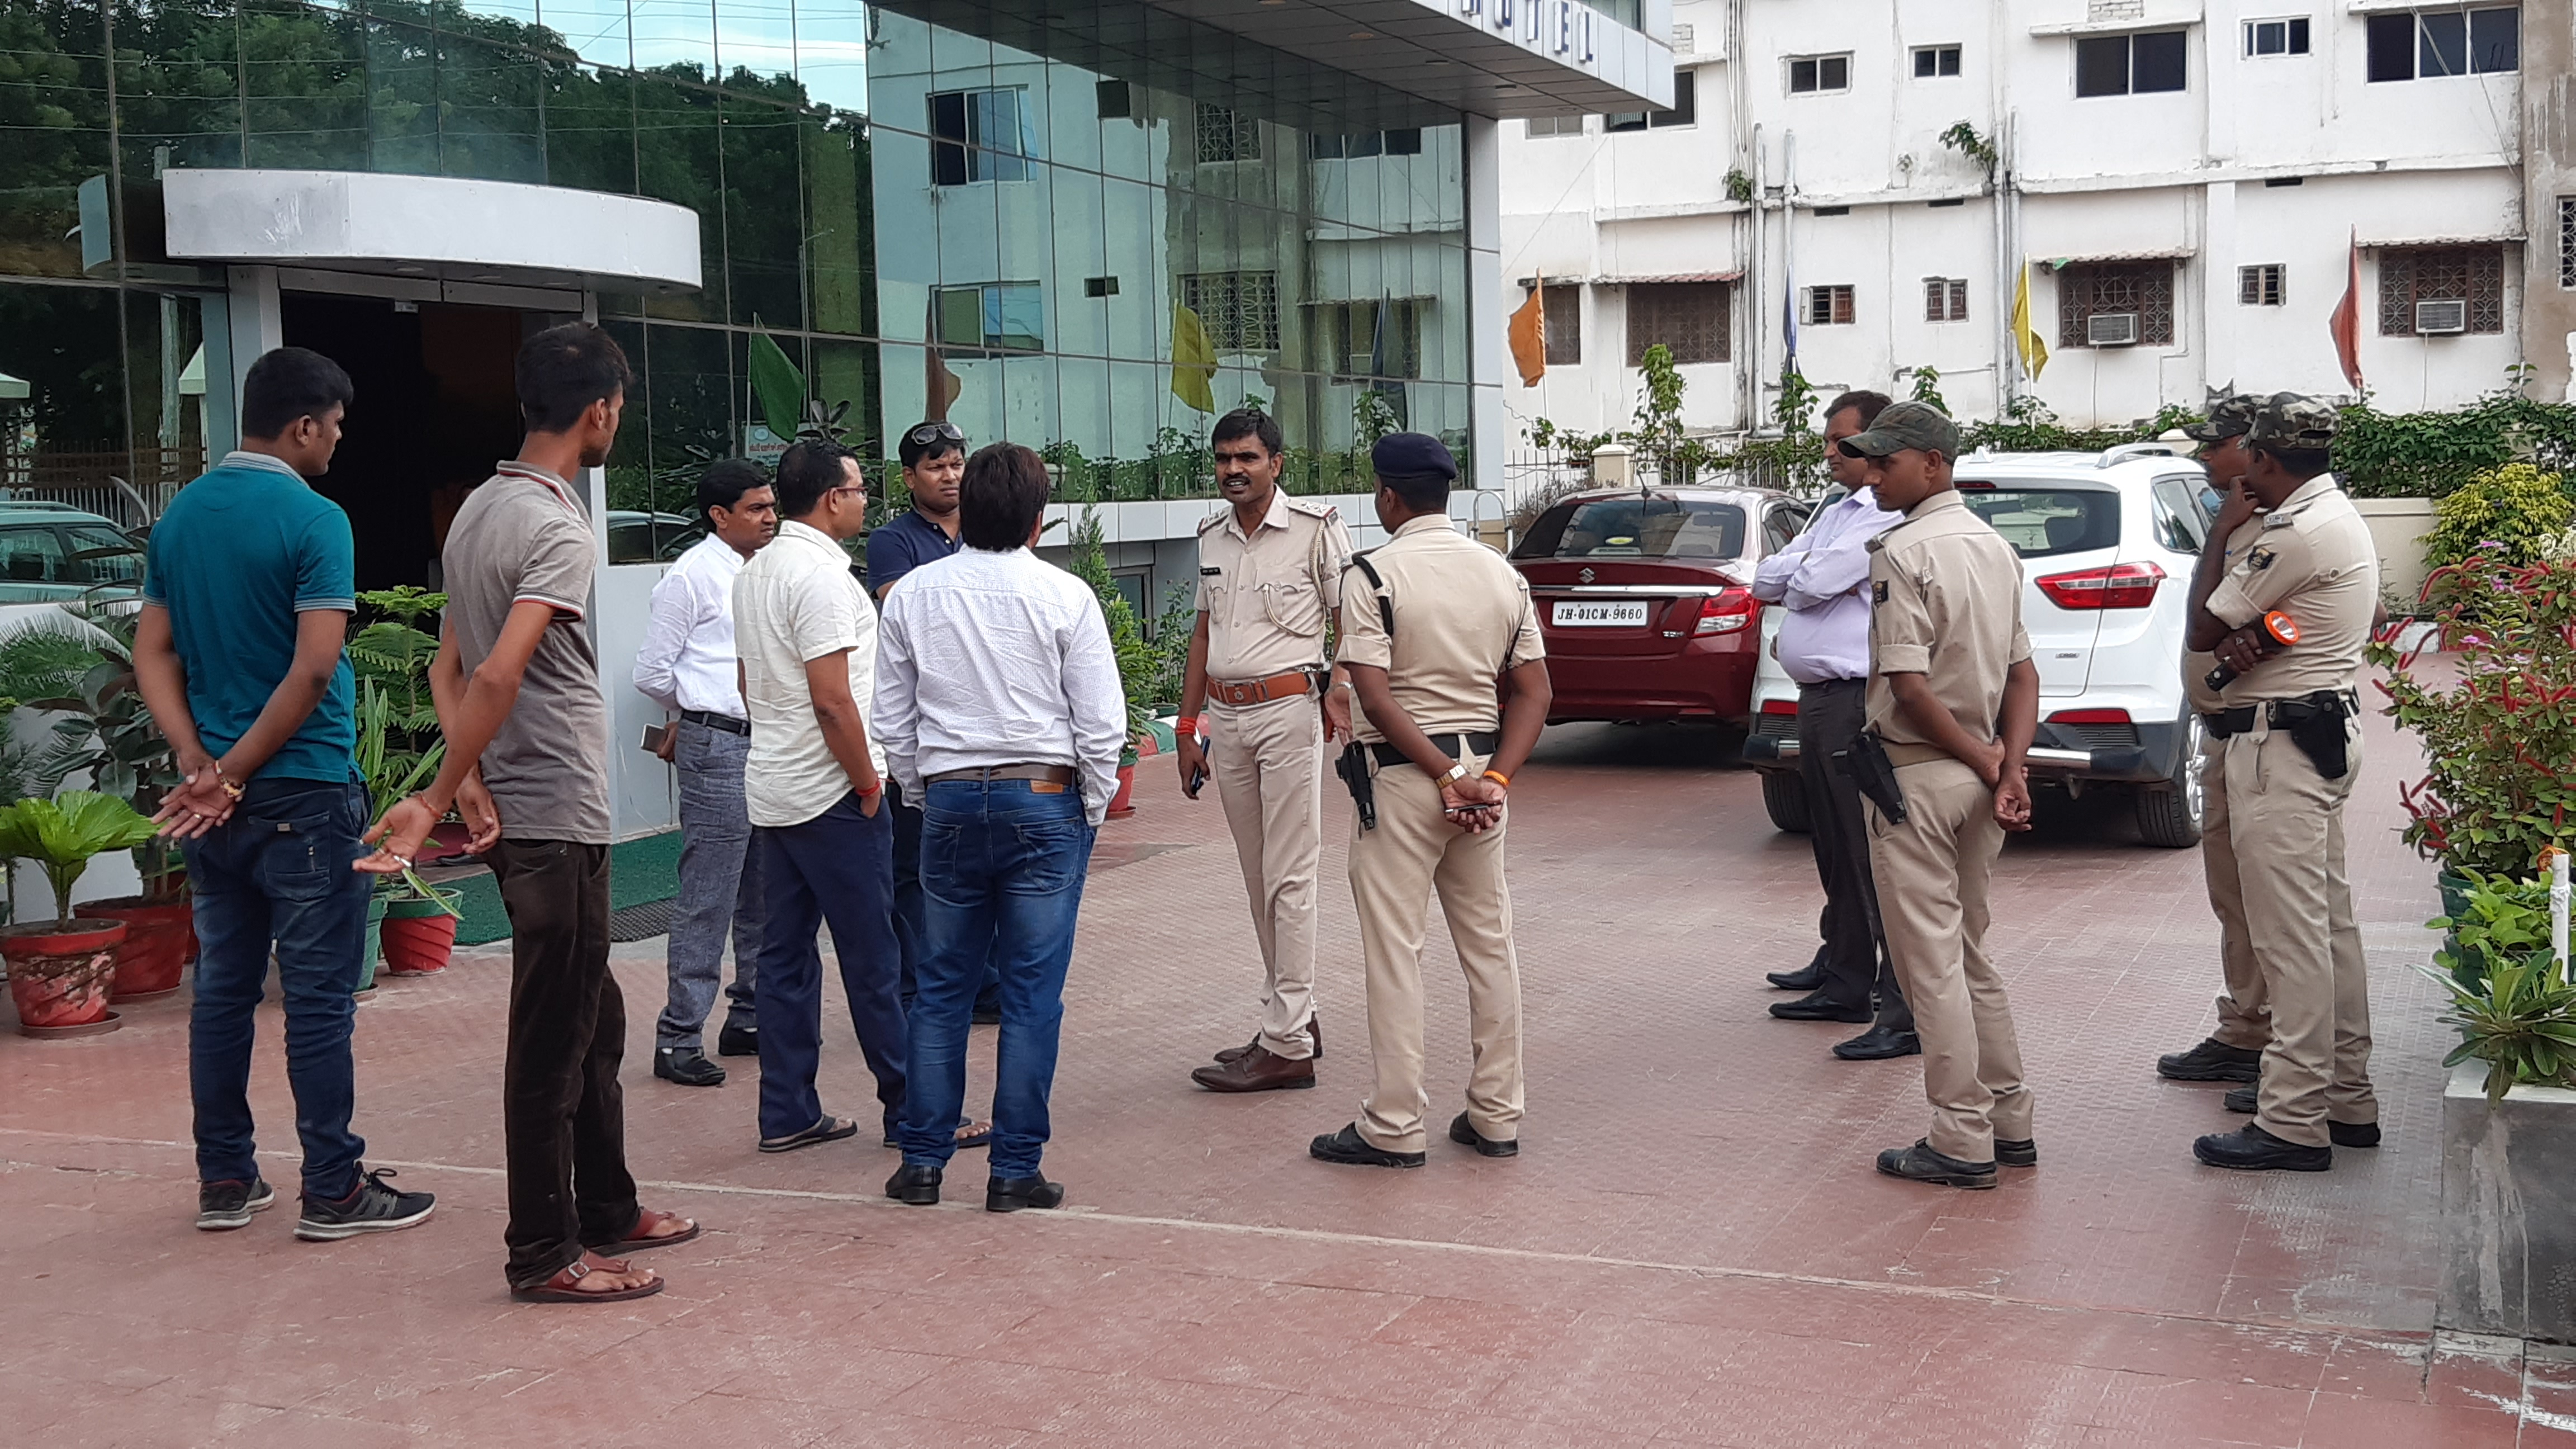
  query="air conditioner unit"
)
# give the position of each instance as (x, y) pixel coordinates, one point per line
(2441, 318)
(2111, 329)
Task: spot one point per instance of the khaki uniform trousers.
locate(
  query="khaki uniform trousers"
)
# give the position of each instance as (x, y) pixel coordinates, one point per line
(1394, 868)
(1932, 873)
(2286, 823)
(2244, 1012)
(1268, 763)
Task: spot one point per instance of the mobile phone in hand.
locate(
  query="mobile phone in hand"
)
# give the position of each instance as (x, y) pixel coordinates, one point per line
(1198, 778)
(655, 738)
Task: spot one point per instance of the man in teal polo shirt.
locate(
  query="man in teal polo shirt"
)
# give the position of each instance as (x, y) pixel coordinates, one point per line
(249, 581)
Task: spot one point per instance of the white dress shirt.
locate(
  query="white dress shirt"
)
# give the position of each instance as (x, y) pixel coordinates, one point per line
(796, 601)
(687, 658)
(999, 659)
(1823, 576)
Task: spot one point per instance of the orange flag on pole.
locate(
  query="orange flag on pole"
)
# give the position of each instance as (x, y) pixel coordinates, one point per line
(2346, 323)
(1528, 334)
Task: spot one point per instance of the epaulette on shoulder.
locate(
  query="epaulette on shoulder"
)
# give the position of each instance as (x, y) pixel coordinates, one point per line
(1212, 520)
(1311, 508)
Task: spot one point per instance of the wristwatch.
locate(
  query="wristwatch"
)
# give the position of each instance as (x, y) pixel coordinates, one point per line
(1456, 773)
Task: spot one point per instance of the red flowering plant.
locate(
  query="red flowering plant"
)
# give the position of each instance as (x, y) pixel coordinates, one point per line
(2495, 712)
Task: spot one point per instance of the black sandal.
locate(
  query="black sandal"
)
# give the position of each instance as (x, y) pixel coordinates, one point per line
(830, 1129)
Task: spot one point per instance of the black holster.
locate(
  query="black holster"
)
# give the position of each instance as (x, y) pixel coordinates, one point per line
(1874, 773)
(1353, 767)
(2315, 725)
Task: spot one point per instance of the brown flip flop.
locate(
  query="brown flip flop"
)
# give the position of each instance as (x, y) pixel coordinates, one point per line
(559, 1289)
(639, 1236)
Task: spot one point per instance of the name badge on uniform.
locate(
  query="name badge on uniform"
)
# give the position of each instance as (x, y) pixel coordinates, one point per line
(1878, 592)
(1211, 571)
(2260, 558)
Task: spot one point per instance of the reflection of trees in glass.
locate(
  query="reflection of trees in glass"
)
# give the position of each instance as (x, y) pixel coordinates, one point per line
(57, 127)
(62, 341)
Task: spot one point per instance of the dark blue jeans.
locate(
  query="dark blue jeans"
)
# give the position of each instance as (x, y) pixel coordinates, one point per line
(837, 867)
(278, 873)
(909, 932)
(1001, 864)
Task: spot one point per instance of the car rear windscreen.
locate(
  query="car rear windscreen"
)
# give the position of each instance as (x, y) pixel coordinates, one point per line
(2043, 522)
(1636, 527)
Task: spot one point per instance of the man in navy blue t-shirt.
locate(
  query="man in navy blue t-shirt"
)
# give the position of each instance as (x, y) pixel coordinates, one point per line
(249, 581)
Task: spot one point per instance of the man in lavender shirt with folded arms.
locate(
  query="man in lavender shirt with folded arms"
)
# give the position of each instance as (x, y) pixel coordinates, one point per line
(1823, 576)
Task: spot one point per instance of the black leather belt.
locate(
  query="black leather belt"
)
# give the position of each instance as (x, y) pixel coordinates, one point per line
(2282, 714)
(980, 774)
(1451, 745)
(724, 722)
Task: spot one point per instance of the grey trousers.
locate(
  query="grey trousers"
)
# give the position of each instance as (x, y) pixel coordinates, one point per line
(719, 886)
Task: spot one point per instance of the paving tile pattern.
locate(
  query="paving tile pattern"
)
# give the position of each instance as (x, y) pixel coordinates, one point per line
(1692, 1248)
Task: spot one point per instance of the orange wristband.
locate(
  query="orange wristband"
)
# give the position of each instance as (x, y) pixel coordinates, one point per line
(1499, 778)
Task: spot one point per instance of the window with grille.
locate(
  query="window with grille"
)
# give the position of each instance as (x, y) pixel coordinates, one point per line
(2567, 241)
(1689, 318)
(2474, 275)
(1562, 309)
(1829, 306)
(2144, 290)
(993, 317)
(2276, 37)
(1542, 126)
(1238, 310)
(1227, 135)
(1945, 299)
(1811, 75)
(2430, 44)
(977, 136)
(1364, 340)
(1936, 62)
(2260, 285)
(2129, 65)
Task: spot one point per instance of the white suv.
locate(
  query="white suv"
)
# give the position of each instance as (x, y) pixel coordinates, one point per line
(2108, 543)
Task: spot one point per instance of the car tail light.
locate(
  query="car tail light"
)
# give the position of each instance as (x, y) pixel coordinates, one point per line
(2117, 586)
(1726, 612)
(2090, 716)
(1779, 706)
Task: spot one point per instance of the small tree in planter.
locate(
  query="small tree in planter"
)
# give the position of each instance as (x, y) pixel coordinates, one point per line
(1139, 671)
(62, 971)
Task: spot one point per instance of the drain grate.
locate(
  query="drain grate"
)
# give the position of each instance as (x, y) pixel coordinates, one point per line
(639, 923)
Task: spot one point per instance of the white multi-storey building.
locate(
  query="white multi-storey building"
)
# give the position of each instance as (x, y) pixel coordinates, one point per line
(2186, 181)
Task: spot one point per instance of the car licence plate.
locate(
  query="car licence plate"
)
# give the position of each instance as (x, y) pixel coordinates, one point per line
(1588, 614)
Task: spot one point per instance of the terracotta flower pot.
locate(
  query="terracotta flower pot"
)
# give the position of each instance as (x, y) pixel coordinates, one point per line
(1122, 804)
(158, 938)
(61, 974)
(419, 935)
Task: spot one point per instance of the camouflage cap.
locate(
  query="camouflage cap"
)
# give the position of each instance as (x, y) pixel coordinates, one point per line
(2231, 416)
(2293, 422)
(1905, 425)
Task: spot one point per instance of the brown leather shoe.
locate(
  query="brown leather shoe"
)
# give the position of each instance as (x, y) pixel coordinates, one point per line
(1314, 1033)
(1257, 1071)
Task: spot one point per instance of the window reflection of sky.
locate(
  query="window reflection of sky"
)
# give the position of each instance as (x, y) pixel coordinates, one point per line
(823, 43)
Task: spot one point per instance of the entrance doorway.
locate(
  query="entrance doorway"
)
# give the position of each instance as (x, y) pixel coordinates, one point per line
(435, 409)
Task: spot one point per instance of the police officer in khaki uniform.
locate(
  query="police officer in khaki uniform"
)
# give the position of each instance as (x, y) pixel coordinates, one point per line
(1953, 703)
(1270, 579)
(1435, 623)
(2230, 1053)
(2293, 731)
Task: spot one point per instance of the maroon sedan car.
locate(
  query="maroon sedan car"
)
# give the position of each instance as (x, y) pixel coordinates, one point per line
(1641, 596)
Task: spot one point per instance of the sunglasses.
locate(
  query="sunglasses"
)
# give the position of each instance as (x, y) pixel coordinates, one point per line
(928, 433)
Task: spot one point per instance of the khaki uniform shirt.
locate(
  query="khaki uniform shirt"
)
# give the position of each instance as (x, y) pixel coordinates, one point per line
(2312, 559)
(1268, 597)
(1945, 603)
(1462, 620)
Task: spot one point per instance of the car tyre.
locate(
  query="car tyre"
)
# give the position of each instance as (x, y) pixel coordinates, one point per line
(2169, 813)
(1784, 794)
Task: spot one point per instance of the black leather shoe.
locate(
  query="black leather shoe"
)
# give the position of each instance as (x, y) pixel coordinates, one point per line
(1878, 1044)
(2024, 1153)
(1350, 1149)
(738, 1041)
(2241, 1099)
(1010, 1194)
(913, 1184)
(1818, 1007)
(2211, 1061)
(1919, 1163)
(2255, 1150)
(1805, 978)
(2353, 1134)
(687, 1066)
(1464, 1133)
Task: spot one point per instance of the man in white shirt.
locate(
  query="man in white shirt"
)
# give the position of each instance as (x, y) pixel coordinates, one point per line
(687, 667)
(815, 787)
(1823, 578)
(1000, 709)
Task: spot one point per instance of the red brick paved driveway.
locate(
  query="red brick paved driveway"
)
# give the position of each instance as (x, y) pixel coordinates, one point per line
(1691, 1249)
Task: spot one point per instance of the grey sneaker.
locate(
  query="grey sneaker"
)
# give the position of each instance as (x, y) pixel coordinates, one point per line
(373, 1208)
(224, 1206)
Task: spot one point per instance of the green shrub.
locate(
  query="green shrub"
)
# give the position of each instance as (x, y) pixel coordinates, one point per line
(2510, 512)
(2506, 920)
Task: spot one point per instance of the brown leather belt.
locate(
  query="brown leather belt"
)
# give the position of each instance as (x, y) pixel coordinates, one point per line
(1261, 691)
(1048, 774)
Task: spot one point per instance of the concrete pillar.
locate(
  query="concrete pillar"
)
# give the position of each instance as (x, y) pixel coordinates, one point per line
(2549, 183)
(1488, 348)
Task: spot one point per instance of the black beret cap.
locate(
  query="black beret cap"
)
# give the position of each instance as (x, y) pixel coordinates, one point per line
(1411, 456)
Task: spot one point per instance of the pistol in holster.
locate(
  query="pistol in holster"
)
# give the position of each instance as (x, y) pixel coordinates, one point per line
(1353, 767)
(2315, 725)
(1870, 768)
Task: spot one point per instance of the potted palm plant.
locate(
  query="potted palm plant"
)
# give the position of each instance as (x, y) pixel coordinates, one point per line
(411, 924)
(1139, 671)
(62, 971)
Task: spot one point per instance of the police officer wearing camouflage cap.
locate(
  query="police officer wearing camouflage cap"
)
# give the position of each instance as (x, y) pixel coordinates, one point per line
(2244, 1016)
(2288, 618)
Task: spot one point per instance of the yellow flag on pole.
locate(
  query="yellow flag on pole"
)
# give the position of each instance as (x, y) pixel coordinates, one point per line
(1193, 361)
(2034, 353)
(1528, 334)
